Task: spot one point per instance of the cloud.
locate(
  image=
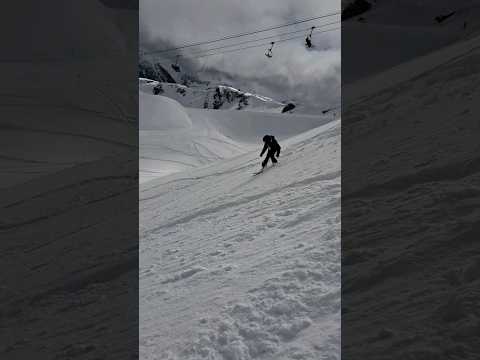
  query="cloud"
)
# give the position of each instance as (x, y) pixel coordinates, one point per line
(309, 76)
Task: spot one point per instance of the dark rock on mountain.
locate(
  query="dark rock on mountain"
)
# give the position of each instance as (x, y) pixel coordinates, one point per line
(154, 71)
(288, 107)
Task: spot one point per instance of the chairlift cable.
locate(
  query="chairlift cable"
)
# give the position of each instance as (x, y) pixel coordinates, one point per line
(245, 34)
(256, 46)
(260, 39)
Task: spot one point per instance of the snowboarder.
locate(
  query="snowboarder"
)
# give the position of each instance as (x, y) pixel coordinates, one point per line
(273, 149)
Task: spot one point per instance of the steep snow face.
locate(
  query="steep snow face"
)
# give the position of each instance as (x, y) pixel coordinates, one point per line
(173, 138)
(235, 266)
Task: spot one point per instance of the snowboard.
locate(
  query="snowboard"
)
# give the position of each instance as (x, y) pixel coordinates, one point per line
(263, 169)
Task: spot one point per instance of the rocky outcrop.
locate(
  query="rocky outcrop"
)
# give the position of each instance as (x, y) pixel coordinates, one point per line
(288, 107)
(154, 71)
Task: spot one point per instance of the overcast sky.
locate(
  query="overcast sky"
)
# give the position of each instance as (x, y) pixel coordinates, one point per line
(294, 73)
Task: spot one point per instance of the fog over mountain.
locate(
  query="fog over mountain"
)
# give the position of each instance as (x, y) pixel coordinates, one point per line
(308, 76)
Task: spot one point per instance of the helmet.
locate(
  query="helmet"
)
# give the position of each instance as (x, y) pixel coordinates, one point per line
(266, 138)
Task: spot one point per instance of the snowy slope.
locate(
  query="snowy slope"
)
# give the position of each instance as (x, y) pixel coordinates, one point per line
(170, 141)
(174, 138)
(433, 175)
(235, 266)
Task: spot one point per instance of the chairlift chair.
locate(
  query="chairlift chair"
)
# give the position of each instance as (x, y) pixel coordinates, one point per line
(269, 53)
(308, 39)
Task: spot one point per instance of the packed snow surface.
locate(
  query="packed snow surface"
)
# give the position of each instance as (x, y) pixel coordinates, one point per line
(174, 138)
(236, 266)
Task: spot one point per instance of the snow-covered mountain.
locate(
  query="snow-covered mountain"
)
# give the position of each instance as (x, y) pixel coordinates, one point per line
(206, 96)
(236, 266)
(188, 90)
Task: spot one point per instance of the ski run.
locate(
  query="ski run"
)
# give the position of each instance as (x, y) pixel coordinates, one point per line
(235, 266)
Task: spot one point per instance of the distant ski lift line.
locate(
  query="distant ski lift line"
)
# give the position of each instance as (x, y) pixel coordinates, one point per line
(255, 46)
(244, 34)
(260, 39)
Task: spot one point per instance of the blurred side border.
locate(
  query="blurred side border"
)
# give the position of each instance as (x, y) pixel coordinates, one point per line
(410, 175)
(69, 180)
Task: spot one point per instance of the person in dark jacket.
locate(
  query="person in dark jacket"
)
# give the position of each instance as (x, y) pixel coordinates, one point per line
(273, 149)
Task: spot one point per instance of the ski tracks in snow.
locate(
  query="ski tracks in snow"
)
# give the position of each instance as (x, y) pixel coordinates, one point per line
(237, 269)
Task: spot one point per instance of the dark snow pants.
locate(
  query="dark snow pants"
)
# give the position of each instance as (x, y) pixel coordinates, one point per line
(270, 155)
